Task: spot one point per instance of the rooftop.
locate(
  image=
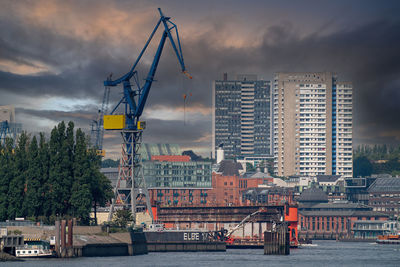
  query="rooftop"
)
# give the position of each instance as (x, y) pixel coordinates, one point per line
(149, 150)
(327, 178)
(170, 158)
(313, 194)
(331, 206)
(257, 175)
(229, 168)
(385, 185)
(265, 191)
(349, 213)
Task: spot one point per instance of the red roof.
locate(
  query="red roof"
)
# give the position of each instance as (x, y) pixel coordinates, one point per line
(172, 158)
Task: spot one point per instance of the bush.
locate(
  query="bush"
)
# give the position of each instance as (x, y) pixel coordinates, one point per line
(17, 232)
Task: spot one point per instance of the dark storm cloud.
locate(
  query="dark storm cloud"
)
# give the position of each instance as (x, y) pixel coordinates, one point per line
(81, 118)
(368, 56)
(190, 133)
(365, 53)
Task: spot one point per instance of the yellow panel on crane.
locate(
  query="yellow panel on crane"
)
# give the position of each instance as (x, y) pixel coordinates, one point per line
(114, 122)
(141, 125)
(101, 152)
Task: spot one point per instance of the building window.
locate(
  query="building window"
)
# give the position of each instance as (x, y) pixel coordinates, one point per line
(342, 224)
(313, 223)
(337, 224)
(328, 223)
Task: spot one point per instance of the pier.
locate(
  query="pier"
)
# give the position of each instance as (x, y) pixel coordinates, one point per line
(277, 241)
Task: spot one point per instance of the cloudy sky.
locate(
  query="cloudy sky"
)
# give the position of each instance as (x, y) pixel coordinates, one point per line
(55, 55)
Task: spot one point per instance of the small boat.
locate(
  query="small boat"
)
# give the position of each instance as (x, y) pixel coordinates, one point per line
(388, 239)
(34, 249)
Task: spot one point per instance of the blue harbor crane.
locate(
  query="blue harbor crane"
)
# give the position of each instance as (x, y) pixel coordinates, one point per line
(9, 129)
(131, 191)
(4, 131)
(97, 129)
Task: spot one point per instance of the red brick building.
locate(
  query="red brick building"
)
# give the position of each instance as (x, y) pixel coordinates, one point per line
(179, 197)
(321, 219)
(227, 188)
(171, 158)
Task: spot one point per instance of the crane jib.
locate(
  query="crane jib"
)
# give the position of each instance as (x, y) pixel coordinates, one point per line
(134, 96)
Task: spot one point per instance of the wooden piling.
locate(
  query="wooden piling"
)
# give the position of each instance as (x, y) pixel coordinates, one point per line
(63, 238)
(57, 245)
(277, 241)
(70, 243)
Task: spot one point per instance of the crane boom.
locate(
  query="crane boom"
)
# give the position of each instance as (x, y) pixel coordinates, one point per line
(239, 225)
(97, 131)
(131, 190)
(135, 100)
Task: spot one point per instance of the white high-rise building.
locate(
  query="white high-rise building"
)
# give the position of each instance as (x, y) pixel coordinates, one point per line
(312, 133)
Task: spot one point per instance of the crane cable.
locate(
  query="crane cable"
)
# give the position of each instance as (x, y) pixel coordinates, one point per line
(185, 97)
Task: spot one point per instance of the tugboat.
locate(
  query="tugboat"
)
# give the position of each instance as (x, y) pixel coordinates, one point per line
(388, 239)
(34, 248)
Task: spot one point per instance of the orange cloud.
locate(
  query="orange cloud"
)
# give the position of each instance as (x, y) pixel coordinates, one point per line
(30, 68)
(89, 20)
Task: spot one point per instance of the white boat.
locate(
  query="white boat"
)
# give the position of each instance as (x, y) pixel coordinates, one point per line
(34, 249)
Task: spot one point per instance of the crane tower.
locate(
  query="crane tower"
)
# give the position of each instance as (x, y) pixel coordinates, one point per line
(131, 191)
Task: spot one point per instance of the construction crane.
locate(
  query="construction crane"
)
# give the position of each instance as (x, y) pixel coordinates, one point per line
(131, 190)
(242, 223)
(9, 129)
(225, 235)
(97, 130)
(4, 130)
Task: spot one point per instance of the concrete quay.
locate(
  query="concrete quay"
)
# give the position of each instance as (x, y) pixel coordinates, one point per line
(178, 246)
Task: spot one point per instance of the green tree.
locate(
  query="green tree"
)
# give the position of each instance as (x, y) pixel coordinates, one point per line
(81, 198)
(32, 201)
(6, 174)
(44, 159)
(53, 196)
(250, 167)
(17, 184)
(100, 186)
(59, 177)
(61, 169)
(122, 218)
(67, 150)
(81, 202)
(362, 167)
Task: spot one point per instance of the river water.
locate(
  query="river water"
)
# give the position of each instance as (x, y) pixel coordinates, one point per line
(321, 253)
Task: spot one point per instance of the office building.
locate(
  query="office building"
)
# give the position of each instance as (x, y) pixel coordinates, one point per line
(176, 172)
(312, 133)
(384, 196)
(7, 113)
(241, 116)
